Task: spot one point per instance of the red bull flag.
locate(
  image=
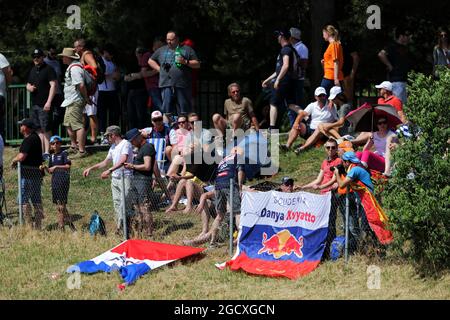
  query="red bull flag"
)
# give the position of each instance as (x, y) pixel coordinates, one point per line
(281, 234)
(134, 258)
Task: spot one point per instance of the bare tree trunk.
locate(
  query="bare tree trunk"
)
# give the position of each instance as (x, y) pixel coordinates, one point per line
(322, 12)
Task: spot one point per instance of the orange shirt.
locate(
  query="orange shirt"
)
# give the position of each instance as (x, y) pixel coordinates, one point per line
(333, 52)
(393, 101)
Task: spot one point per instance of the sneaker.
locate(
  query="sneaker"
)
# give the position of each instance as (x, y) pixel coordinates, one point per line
(80, 155)
(72, 150)
(104, 142)
(298, 151)
(284, 147)
(348, 137)
(183, 201)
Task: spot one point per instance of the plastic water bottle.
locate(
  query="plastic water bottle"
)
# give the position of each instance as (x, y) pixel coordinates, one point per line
(178, 57)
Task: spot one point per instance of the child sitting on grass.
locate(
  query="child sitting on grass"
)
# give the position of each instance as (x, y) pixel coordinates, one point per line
(59, 167)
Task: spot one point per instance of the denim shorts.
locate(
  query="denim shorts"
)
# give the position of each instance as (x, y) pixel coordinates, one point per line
(31, 190)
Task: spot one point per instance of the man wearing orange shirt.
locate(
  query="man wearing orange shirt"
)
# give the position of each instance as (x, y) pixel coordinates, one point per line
(387, 97)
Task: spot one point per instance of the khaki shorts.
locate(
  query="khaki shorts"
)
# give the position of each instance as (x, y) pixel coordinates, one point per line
(74, 115)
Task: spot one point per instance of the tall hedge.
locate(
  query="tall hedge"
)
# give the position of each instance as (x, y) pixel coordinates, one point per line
(418, 195)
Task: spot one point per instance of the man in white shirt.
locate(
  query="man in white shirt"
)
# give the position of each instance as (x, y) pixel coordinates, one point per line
(5, 79)
(120, 152)
(318, 112)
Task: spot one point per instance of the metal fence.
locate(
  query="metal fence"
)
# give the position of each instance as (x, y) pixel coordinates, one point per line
(178, 211)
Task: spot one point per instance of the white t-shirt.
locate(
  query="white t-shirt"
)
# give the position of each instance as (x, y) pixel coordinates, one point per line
(114, 153)
(3, 64)
(380, 142)
(302, 51)
(320, 115)
(108, 84)
(74, 75)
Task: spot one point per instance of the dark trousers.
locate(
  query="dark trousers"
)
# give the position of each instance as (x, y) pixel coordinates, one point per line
(108, 109)
(2, 116)
(137, 114)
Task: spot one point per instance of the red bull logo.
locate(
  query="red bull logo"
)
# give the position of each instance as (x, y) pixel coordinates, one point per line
(281, 244)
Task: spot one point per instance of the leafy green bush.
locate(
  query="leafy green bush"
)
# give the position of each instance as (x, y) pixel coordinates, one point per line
(418, 195)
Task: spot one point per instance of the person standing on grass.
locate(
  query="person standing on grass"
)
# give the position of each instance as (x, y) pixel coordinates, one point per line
(75, 99)
(143, 166)
(119, 153)
(30, 158)
(42, 84)
(333, 60)
(59, 167)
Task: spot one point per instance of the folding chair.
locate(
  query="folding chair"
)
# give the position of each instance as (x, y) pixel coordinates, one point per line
(160, 148)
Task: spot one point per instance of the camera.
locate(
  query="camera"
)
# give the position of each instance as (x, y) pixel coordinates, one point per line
(340, 168)
(166, 66)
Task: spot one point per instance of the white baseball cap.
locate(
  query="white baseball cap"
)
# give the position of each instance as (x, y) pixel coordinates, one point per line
(319, 91)
(387, 85)
(334, 92)
(156, 114)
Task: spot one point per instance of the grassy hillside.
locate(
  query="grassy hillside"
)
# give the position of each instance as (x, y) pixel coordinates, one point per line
(33, 263)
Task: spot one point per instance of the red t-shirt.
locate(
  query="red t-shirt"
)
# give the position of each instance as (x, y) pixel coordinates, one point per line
(393, 101)
(327, 173)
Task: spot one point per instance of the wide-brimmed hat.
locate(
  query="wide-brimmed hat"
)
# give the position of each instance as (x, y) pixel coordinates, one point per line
(70, 53)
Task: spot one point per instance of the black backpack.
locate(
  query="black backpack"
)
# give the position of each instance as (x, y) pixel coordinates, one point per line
(295, 71)
(101, 68)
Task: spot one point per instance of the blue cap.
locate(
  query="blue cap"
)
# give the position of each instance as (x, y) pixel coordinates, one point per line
(131, 134)
(55, 138)
(350, 156)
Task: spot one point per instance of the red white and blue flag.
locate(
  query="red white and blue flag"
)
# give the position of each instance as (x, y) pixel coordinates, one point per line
(281, 234)
(134, 258)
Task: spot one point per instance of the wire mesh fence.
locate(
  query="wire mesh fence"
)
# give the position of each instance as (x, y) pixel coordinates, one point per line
(181, 210)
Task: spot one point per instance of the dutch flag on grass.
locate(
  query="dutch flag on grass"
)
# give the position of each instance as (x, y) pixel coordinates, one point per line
(134, 258)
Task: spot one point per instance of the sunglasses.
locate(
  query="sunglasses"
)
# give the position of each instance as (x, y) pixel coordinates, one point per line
(382, 122)
(181, 122)
(330, 147)
(157, 119)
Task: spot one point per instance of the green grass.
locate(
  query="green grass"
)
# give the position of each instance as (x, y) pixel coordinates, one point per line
(33, 263)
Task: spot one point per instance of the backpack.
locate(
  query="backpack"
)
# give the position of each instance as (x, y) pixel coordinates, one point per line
(101, 67)
(337, 248)
(97, 225)
(295, 71)
(88, 77)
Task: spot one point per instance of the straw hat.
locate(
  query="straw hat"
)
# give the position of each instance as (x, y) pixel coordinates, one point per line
(70, 53)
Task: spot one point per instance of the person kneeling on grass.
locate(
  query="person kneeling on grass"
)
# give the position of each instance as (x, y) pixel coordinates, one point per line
(59, 167)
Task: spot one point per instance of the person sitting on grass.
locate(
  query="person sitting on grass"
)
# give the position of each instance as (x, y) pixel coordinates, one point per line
(319, 112)
(59, 167)
(228, 169)
(380, 140)
(341, 127)
(193, 180)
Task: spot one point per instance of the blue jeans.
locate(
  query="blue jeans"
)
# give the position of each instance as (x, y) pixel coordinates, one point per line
(31, 188)
(155, 95)
(183, 97)
(328, 84)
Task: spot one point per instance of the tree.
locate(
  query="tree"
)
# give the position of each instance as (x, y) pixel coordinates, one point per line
(418, 194)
